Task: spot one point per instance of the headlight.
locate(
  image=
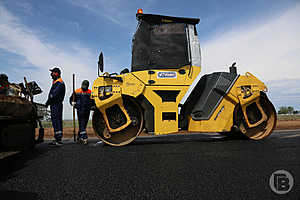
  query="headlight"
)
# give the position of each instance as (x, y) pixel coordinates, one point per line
(105, 89)
(105, 92)
(108, 89)
(101, 89)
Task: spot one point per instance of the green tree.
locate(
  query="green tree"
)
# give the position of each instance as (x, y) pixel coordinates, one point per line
(286, 110)
(290, 110)
(283, 110)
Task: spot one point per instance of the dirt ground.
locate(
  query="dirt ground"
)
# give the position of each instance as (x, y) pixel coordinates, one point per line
(287, 124)
(68, 131)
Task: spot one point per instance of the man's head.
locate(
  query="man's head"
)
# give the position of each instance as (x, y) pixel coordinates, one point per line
(85, 85)
(55, 73)
(3, 79)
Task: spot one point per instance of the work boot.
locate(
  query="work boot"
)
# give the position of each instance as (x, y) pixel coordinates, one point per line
(55, 143)
(79, 141)
(85, 141)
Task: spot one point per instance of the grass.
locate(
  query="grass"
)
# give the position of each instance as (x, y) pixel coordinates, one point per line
(288, 117)
(66, 123)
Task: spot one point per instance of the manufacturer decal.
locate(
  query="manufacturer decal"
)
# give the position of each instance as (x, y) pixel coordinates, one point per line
(166, 75)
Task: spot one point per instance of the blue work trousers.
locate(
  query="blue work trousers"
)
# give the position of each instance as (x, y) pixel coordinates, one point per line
(56, 118)
(83, 119)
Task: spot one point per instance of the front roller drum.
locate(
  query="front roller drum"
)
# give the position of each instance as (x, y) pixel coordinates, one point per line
(264, 129)
(126, 135)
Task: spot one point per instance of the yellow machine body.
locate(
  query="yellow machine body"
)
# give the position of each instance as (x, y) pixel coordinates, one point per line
(222, 118)
(137, 83)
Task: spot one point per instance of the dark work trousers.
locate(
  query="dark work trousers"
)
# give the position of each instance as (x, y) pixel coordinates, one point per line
(83, 119)
(56, 118)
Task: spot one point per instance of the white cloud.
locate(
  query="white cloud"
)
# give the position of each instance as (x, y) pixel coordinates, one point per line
(111, 10)
(24, 41)
(284, 92)
(268, 49)
(116, 11)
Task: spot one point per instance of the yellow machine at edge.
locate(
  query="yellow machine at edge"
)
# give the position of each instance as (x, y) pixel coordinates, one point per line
(165, 93)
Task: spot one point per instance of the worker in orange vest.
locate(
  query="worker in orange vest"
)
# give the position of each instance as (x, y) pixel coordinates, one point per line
(82, 103)
(55, 100)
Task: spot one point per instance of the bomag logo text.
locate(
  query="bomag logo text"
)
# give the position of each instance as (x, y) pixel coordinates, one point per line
(166, 75)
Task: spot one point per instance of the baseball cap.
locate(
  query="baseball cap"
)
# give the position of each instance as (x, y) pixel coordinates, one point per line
(55, 69)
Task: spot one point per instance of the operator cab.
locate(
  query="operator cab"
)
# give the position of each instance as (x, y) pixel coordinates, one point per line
(164, 42)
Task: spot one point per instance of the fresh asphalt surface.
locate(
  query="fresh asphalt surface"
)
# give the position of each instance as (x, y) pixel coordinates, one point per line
(173, 167)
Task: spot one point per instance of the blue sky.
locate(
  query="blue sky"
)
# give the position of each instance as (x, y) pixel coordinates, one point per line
(261, 35)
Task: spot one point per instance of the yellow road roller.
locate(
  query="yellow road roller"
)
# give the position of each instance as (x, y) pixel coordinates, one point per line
(164, 92)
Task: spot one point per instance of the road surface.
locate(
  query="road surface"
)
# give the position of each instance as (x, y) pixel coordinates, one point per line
(174, 167)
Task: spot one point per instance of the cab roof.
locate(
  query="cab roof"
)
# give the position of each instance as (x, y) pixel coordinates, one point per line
(161, 19)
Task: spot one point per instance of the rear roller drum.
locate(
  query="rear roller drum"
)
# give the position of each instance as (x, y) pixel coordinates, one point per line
(264, 129)
(126, 135)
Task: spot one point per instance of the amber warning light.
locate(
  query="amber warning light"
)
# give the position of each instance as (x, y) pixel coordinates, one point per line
(140, 11)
